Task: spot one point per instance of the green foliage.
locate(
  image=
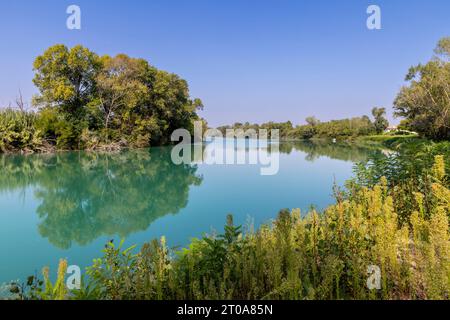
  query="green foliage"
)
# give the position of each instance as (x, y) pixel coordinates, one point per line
(98, 103)
(381, 123)
(66, 78)
(122, 86)
(113, 271)
(346, 128)
(354, 127)
(81, 197)
(58, 290)
(411, 169)
(18, 131)
(316, 256)
(285, 128)
(31, 290)
(425, 102)
(346, 151)
(36, 289)
(408, 159)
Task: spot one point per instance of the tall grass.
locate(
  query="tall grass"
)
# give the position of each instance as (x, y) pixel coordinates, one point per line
(314, 256)
(18, 131)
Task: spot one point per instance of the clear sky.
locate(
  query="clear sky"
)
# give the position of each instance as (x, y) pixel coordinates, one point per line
(248, 60)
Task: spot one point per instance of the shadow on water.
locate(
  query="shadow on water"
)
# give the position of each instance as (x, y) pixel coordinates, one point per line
(84, 196)
(351, 152)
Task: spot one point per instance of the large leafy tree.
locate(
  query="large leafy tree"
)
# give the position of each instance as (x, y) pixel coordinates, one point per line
(90, 101)
(66, 82)
(169, 102)
(312, 121)
(122, 86)
(380, 123)
(425, 102)
(66, 77)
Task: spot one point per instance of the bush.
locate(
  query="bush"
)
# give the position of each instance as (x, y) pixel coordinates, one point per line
(18, 131)
(317, 256)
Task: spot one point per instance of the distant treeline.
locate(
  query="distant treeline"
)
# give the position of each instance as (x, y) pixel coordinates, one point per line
(354, 127)
(88, 101)
(424, 105)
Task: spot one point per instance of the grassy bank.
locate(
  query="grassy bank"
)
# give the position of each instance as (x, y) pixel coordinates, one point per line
(402, 230)
(390, 140)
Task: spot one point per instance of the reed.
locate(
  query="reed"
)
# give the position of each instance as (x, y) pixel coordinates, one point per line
(298, 256)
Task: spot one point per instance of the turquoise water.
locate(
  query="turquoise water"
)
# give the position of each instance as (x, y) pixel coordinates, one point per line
(69, 205)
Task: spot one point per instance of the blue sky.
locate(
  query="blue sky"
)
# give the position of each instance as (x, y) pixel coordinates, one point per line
(248, 60)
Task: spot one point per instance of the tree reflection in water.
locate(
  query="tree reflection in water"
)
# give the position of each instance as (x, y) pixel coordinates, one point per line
(339, 151)
(84, 196)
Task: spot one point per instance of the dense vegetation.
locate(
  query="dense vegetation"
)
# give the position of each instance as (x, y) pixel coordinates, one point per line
(86, 195)
(345, 128)
(345, 151)
(424, 106)
(400, 227)
(92, 102)
(425, 103)
(394, 214)
(407, 158)
(18, 131)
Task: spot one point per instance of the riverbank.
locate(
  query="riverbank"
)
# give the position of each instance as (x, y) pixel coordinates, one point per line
(392, 140)
(373, 141)
(399, 233)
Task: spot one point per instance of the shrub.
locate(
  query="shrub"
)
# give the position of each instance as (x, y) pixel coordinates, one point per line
(18, 131)
(317, 256)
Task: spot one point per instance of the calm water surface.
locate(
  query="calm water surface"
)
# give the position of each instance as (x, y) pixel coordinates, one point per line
(69, 205)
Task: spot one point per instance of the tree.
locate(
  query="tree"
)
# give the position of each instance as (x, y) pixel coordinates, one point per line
(66, 78)
(66, 82)
(404, 125)
(87, 101)
(21, 105)
(312, 121)
(425, 102)
(170, 105)
(121, 87)
(381, 123)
